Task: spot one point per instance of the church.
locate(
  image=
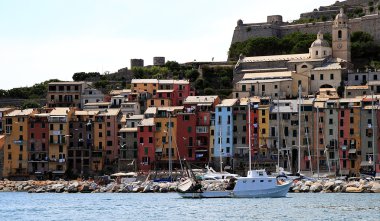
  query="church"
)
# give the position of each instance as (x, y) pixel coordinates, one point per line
(279, 76)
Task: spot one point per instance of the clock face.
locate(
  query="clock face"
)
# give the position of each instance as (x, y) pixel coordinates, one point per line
(339, 45)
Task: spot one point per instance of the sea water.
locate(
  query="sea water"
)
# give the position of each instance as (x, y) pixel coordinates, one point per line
(169, 206)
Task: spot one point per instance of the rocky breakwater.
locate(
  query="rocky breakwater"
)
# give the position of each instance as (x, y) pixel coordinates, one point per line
(336, 186)
(86, 186)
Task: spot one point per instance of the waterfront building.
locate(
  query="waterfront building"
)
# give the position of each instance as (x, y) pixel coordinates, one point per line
(368, 127)
(204, 109)
(2, 142)
(223, 134)
(349, 147)
(106, 127)
(38, 143)
(16, 141)
(81, 141)
(186, 138)
(146, 144)
(127, 160)
(241, 133)
(58, 136)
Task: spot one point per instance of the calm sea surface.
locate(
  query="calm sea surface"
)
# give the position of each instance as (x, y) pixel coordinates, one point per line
(169, 206)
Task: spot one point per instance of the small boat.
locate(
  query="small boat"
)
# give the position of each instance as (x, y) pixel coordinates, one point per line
(211, 174)
(257, 184)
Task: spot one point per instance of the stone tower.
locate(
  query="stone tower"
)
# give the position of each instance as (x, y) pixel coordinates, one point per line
(341, 43)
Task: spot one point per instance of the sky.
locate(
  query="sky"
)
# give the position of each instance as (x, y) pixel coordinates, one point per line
(49, 39)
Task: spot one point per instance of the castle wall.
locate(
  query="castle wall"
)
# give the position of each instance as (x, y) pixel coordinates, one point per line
(369, 23)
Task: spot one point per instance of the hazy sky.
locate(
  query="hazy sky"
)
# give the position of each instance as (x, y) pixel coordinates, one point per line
(45, 39)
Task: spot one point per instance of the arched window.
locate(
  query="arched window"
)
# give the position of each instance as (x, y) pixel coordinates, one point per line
(304, 66)
(340, 34)
(316, 52)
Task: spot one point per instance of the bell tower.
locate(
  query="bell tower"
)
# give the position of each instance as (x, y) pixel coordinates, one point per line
(341, 43)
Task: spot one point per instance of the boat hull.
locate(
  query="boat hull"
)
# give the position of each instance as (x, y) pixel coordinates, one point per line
(277, 192)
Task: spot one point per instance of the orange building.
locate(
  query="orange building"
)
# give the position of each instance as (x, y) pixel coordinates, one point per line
(16, 140)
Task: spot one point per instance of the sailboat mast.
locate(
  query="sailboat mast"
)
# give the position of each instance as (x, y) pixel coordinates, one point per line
(249, 135)
(220, 147)
(317, 142)
(170, 147)
(373, 136)
(299, 128)
(278, 135)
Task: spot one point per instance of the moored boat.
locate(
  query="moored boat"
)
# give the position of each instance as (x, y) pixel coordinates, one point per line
(257, 184)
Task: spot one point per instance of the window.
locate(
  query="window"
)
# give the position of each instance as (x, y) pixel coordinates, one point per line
(375, 77)
(356, 77)
(312, 77)
(316, 52)
(263, 87)
(141, 140)
(244, 128)
(100, 134)
(321, 77)
(351, 120)
(331, 76)
(243, 87)
(331, 121)
(109, 143)
(331, 132)
(275, 86)
(150, 139)
(340, 34)
(352, 131)
(341, 133)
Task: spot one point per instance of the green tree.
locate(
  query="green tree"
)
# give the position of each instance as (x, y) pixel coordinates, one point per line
(30, 104)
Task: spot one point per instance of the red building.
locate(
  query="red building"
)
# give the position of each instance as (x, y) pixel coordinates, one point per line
(186, 135)
(38, 144)
(146, 144)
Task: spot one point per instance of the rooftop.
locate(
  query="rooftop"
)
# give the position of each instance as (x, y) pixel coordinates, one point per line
(173, 82)
(109, 112)
(60, 111)
(200, 99)
(227, 102)
(67, 83)
(268, 75)
(276, 58)
(86, 113)
(24, 112)
(5, 109)
(144, 81)
(147, 122)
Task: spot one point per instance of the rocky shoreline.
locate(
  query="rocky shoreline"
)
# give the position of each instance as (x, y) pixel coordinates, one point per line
(90, 186)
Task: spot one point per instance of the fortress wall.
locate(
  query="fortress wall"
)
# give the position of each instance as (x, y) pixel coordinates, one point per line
(370, 24)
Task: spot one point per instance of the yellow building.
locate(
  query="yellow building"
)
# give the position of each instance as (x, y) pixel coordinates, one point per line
(58, 137)
(144, 85)
(16, 140)
(263, 121)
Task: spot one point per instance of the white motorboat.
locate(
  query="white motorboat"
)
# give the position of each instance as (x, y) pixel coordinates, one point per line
(211, 174)
(257, 184)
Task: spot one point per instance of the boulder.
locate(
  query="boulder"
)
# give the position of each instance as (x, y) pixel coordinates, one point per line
(351, 189)
(375, 187)
(316, 187)
(304, 188)
(40, 190)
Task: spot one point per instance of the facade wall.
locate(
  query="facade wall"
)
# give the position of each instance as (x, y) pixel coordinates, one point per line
(38, 145)
(186, 136)
(146, 149)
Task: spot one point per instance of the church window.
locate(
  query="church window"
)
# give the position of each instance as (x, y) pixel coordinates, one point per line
(331, 76)
(275, 86)
(312, 77)
(375, 77)
(324, 52)
(321, 77)
(304, 66)
(316, 52)
(263, 87)
(356, 77)
(340, 34)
